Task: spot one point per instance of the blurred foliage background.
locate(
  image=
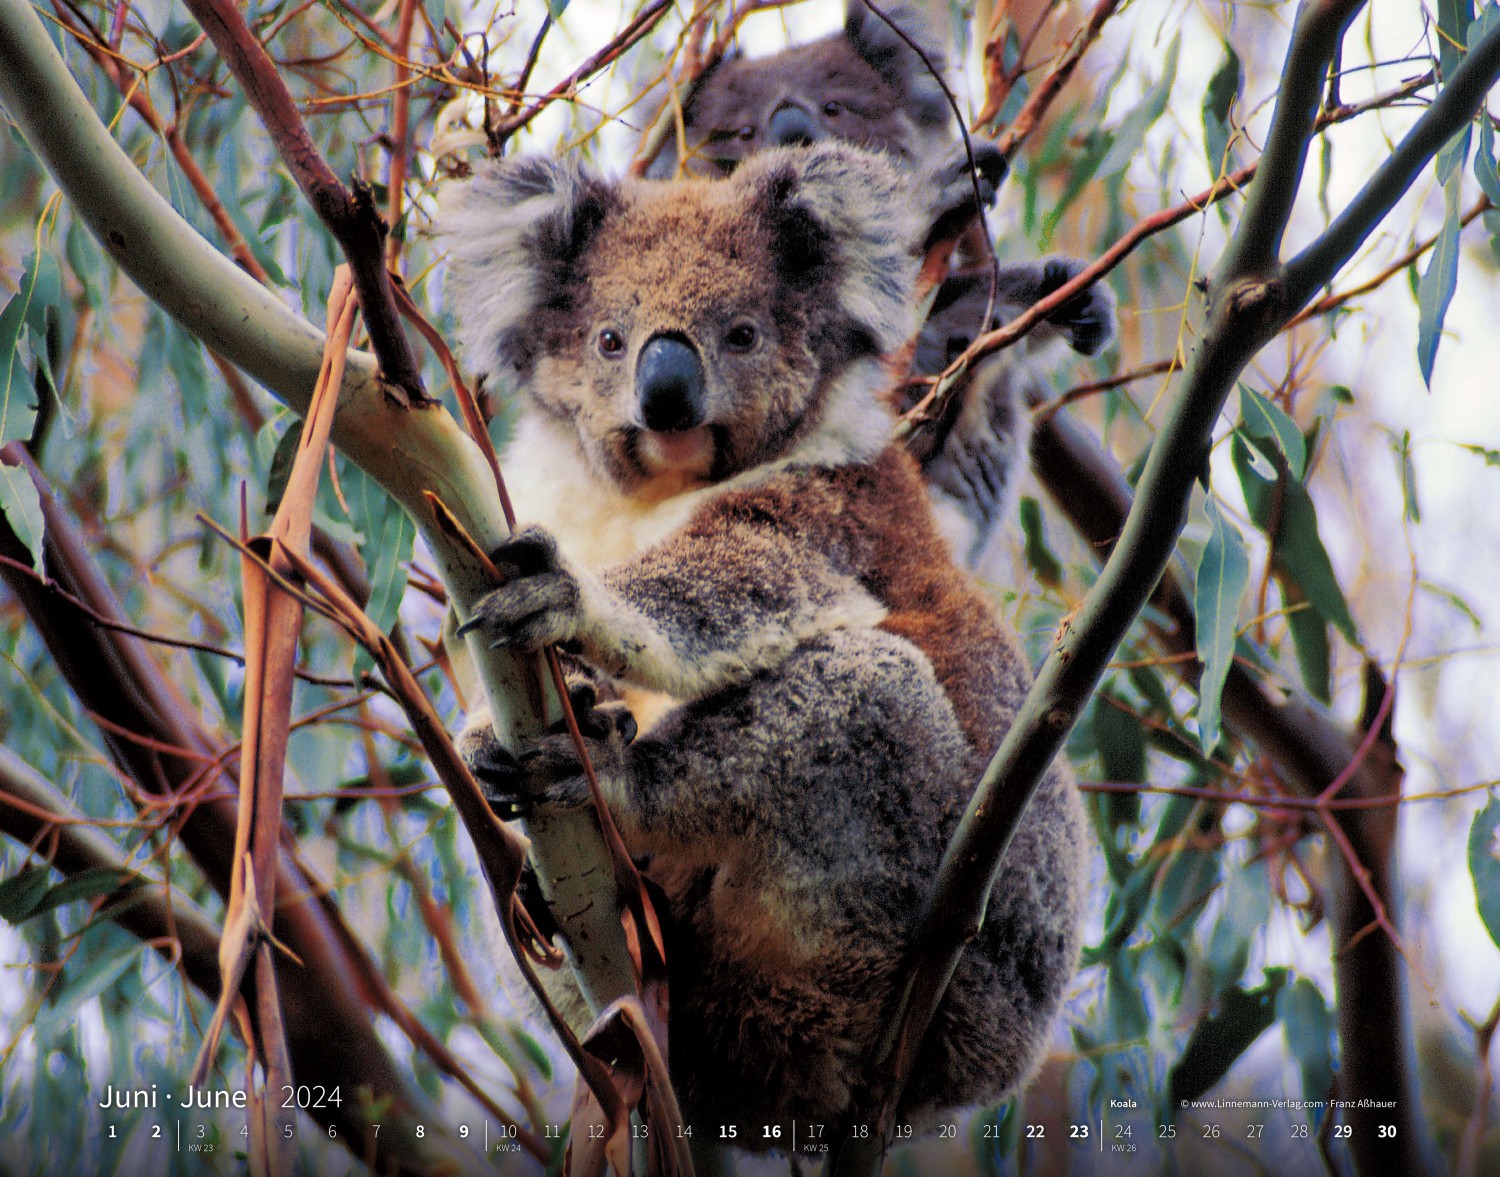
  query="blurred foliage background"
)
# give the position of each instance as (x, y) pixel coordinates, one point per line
(1352, 488)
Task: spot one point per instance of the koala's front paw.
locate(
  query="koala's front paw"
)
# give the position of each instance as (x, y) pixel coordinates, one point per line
(954, 208)
(539, 603)
(1087, 320)
(549, 772)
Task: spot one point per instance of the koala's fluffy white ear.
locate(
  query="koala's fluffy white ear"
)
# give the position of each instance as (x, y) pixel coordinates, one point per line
(893, 59)
(844, 221)
(514, 234)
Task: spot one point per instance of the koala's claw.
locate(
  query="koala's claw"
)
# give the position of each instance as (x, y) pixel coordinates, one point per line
(1088, 319)
(550, 771)
(537, 605)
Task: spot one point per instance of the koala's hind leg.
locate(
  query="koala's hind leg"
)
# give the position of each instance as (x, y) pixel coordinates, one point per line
(804, 813)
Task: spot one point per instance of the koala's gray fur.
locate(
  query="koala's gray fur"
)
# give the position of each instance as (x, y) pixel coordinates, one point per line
(865, 85)
(974, 456)
(829, 685)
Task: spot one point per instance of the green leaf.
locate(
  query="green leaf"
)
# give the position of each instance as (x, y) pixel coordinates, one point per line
(1131, 132)
(535, 1052)
(1221, 1038)
(25, 314)
(1223, 573)
(1120, 741)
(389, 534)
(20, 894)
(1486, 170)
(86, 260)
(89, 884)
(1407, 472)
(1247, 907)
(1296, 547)
(258, 243)
(1309, 630)
(1192, 872)
(1455, 18)
(1039, 557)
(1488, 18)
(1126, 1017)
(77, 991)
(1484, 865)
(1490, 219)
(1223, 89)
(437, 12)
(1264, 420)
(22, 507)
(281, 465)
(1440, 279)
(1450, 597)
(1308, 1025)
(1491, 457)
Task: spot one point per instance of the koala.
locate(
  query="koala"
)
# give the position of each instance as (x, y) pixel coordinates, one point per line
(865, 85)
(973, 455)
(714, 513)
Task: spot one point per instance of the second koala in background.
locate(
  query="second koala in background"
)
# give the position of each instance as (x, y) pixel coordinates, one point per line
(863, 85)
(866, 85)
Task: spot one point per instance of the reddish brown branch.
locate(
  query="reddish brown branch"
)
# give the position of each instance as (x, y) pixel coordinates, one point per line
(1030, 115)
(400, 125)
(350, 216)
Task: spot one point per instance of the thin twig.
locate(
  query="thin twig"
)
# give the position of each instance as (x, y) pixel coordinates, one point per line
(644, 22)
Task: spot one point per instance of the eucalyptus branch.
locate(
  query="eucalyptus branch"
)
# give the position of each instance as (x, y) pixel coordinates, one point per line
(1123, 246)
(350, 217)
(1449, 113)
(409, 451)
(1249, 305)
(32, 810)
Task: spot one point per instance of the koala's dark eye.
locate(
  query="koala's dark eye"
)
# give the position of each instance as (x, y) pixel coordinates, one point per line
(740, 337)
(832, 108)
(611, 343)
(747, 132)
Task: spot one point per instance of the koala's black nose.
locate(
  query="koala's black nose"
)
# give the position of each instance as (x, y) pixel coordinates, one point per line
(669, 385)
(791, 126)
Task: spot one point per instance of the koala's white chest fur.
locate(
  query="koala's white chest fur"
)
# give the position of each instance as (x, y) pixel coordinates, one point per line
(551, 484)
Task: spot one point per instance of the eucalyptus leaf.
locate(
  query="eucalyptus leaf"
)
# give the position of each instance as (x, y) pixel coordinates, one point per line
(1039, 557)
(1265, 420)
(1440, 278)
(1296, 547)
(1131, 133)
(1217, 1042)
(1307, 1023)
(1223, 573)
(22, 507)
(1223, 88)
(1484, 865)
(79, 987)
